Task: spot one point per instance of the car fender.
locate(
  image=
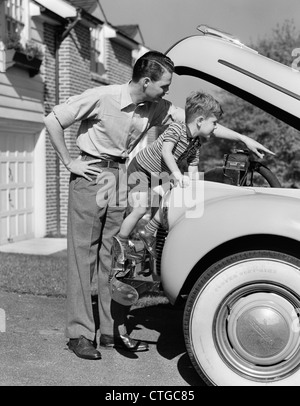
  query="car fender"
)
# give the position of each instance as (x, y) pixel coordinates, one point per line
(222, 220)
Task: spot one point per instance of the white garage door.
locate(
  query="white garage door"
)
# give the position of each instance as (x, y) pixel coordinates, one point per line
(16, 187)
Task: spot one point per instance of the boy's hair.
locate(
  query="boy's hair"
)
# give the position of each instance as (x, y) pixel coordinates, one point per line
(200, 103)
(152, 64)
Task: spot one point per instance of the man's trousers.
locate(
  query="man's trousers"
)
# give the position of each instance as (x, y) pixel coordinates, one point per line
(95, 214)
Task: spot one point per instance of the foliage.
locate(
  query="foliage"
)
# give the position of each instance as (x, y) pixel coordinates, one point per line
(13, 41)
(249, 120)
(280, 46)
(31, 48)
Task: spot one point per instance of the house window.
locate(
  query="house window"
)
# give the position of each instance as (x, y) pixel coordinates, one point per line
(98, 51)
(15, 19)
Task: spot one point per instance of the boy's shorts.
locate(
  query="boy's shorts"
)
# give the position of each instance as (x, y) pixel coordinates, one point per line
(139, 180)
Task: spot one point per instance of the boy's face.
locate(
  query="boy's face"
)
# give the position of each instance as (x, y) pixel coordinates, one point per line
(203, 127)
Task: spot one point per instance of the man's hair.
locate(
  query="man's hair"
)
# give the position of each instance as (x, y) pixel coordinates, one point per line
(152, 64)
(200, 103)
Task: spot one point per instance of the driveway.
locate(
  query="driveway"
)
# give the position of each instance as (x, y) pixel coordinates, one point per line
(33, 348)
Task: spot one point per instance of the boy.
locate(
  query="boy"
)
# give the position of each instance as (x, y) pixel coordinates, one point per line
(179, 145)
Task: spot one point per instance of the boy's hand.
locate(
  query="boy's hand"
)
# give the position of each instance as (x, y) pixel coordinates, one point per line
(255, 147)
(184, 181)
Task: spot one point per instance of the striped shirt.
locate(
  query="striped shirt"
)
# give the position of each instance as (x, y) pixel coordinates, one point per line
(150, 158)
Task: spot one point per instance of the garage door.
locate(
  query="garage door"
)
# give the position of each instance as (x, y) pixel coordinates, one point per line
(16, 187)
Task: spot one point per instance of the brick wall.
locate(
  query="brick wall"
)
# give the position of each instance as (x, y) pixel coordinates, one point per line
(119, 62)
(74, 78)
(49, 100)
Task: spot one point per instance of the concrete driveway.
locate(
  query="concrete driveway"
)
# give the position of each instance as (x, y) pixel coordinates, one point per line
(33, 348)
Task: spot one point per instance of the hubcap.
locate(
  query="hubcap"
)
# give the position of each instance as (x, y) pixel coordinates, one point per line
(259, 328)
(262, 332)
(255, 334)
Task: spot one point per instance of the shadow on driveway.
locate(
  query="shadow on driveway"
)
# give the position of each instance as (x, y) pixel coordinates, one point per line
(163, 326)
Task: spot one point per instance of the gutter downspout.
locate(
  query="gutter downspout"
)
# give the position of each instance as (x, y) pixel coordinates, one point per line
(59, 37)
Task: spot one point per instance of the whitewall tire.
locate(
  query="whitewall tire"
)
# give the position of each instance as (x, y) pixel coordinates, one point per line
(241, 323)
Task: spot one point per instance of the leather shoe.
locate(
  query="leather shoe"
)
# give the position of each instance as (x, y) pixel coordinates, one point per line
(124, 342)
(131, 253)
(149, 242)
(83, 348)
(123, 251)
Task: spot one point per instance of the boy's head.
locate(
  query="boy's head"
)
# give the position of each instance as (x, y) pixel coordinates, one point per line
(153, 73)
(202, 112)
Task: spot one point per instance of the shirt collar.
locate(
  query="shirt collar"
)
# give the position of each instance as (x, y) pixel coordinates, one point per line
(126, 99)
(194, 141)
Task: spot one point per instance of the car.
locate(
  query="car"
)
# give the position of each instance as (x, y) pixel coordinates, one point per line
(229, 250)
(233, 252)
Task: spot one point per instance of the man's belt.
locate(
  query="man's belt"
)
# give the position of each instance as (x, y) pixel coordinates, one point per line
(106, 162)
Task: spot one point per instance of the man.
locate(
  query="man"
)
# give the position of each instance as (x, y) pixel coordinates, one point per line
(113, 120)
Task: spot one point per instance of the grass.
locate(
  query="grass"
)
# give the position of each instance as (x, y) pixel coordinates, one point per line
(33, 274)
(47, 276)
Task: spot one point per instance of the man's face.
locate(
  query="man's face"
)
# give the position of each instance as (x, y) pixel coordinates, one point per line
(155, 91)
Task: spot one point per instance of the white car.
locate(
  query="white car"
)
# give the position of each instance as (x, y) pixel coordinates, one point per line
(233, 252)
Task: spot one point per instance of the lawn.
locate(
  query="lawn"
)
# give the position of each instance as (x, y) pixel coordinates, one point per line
(46, 275)
(33, 274)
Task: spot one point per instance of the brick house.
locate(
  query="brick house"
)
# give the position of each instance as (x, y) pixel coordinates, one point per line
(67, 50)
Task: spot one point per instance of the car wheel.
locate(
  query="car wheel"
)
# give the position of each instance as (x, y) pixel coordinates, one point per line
(258, 175)
(241, 323)
(266, 178)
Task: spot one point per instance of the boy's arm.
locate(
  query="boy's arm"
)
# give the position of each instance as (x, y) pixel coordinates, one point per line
(254, 146)
(169, 159)
(194, 172)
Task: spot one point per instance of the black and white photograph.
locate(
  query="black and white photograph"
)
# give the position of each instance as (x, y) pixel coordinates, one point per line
(149, 196)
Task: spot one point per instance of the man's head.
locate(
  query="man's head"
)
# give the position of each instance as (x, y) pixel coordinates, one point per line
(202, 112)
(153, 71)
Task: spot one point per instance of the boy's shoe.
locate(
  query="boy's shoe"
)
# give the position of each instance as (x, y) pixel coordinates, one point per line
(149, 241)
(130, 253)
(125, 251)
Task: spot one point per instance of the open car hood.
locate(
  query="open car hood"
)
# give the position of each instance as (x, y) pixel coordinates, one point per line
(225, 62)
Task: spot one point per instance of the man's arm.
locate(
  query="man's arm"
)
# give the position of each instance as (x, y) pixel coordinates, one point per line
(254, 146)
(56, 135)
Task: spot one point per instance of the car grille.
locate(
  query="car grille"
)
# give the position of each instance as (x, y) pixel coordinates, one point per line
(160, 242)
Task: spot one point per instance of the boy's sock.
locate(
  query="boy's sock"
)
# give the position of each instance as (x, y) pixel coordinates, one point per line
(152, 226)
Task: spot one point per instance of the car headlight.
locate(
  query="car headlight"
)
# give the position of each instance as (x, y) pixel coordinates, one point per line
(164, 210)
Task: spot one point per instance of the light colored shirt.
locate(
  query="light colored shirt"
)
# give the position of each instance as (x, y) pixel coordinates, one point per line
(150, 158)
(111, 124)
